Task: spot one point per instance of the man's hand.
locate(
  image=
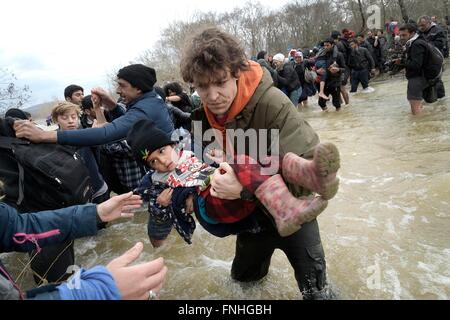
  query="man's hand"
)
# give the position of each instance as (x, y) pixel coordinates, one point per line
(28, 130)
(106, 99)
(225, 186)
(96, 101)
(165, 198)
(135, 282)
(119, 207)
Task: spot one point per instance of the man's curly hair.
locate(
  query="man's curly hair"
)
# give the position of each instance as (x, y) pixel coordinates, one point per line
(210, 54)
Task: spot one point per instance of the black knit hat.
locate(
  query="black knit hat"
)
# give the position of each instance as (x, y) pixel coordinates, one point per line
(16, 113)
(139, 76)
(335, 35)
(144, 138)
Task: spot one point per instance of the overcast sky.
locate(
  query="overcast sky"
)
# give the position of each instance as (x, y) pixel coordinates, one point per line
(50, 44)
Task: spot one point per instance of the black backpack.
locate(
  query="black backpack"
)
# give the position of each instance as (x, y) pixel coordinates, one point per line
(433, 64)
(41, 176)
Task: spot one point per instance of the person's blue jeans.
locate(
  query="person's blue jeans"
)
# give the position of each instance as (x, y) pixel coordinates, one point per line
(294, 96)
(360, 76)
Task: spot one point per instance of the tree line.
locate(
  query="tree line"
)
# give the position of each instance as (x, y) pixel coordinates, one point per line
(298, 24)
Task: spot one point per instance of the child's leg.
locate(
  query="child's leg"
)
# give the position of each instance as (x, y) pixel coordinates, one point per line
(322, 91)
(288, 211)
(319, 174)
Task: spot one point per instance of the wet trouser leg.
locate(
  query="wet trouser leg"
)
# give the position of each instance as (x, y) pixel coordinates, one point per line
(253, 253)
(364, 78)
(440, 89)
(305, 253)
(335, 95)
(354, 81)
(303, 249)
(323, 103)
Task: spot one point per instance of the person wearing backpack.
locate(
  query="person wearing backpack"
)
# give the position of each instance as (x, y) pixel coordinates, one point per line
(423, 65)
(43, 177)
(437, 36)
(67, 115)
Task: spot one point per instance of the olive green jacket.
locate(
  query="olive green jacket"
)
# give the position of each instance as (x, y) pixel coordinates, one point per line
(270, 108)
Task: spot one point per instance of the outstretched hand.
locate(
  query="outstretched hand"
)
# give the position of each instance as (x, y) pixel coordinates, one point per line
(135, 282)
(119, 207)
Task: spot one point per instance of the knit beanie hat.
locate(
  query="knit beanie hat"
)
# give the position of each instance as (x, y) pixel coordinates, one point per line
(144, 138)
(335, 35)
(279, 57)
(16, 113)
(139, 76)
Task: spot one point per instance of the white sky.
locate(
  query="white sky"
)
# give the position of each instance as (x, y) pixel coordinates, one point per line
(50, 44)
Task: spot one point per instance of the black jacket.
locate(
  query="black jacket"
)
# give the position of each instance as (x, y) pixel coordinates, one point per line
(436, 35)
(288, 78)
(300, 69)
(334, 80)
(416, 53)
(344, 48)
(361, 59)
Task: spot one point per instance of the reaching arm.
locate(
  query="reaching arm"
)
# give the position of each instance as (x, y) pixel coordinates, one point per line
(46, 227)
(21, 232)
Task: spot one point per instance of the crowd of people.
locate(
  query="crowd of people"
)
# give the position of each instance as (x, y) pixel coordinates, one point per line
(140, 147)
(326, 69)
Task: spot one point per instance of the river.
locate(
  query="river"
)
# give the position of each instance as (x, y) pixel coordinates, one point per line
(386, 235)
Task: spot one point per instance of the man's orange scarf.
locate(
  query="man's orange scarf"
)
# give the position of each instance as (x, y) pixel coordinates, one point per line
(246, 87)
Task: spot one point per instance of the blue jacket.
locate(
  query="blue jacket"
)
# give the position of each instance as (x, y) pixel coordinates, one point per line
(148, 106)
(63, 224)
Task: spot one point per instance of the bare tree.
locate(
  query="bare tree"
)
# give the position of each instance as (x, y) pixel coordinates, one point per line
(363, 17)
(298, 24)
(405, 16)
(12, 96)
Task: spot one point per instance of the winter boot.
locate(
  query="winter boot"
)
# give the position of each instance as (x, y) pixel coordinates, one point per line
(319, 174)
(288, 211)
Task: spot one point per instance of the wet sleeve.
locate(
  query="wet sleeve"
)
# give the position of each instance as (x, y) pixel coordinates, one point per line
(23, 232)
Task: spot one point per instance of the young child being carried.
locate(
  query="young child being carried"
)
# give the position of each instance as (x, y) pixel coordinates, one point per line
(180, 185)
